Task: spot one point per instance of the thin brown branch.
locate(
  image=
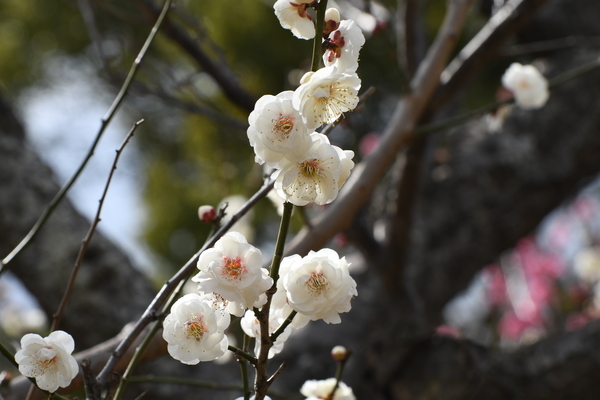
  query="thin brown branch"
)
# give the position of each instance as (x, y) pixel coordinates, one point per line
(398, 133)
(90, 234)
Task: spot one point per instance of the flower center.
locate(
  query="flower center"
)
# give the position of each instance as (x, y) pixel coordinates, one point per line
(524, 84)
(195, 329)
(334, 46)
(283, 126)
(316, 283)
(233, 268)
(46, 358)
(310, 168)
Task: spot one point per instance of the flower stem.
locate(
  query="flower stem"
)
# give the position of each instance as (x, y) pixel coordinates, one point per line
(261, 383)
(338, 375)
(318, 42)
(8, 355)
(244, 368)
(284, 325)
(281, 236)
(243, 354)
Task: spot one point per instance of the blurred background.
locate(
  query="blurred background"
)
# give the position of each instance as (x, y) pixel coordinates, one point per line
(503, 210)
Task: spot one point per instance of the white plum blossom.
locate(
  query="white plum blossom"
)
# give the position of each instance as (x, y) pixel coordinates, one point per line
(317, 177)
(252, 398)
(317, 286)
(251, 327)
(528, 85)
(293, 15)
(195, 330)
(233, 270)
(318, 390)
(48, 359)
(325, 95)
(342, 47)
(276, 130)
(587, 264)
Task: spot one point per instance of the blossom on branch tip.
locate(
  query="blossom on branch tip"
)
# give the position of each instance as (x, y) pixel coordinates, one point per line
(294, 16)
(195, 330)
(207, 214)
(48, 359)
(317, 177)
(233, 270)
(528, 85)
(318, 286)
(342, 47)
(321, 389)
(324, 96)
(276, 130)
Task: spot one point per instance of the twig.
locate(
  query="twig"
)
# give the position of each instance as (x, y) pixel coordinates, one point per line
(169, 286)
(105, 122)
(276, 374)
(398, 133)
(241, 353)
(261, 383)
(8, 355)
(317, 53)
(283, 325)
(244, 367)
(90, 234)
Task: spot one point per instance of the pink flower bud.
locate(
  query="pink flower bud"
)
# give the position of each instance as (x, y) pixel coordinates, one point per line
(207, 214)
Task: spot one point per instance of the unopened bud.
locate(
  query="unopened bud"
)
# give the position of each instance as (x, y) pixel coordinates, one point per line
(207, 214)
(332, 21)
(339, 353)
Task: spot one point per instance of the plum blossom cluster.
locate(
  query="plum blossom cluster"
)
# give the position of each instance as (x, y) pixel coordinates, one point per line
(309, 169)
(282, 128)
(231, 281)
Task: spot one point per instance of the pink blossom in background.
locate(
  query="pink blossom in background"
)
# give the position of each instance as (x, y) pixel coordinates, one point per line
(447, 330)
(586, 208)
(512, 327)
(496, 285)
(368, 144)
(536, 263)
(577, 321)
